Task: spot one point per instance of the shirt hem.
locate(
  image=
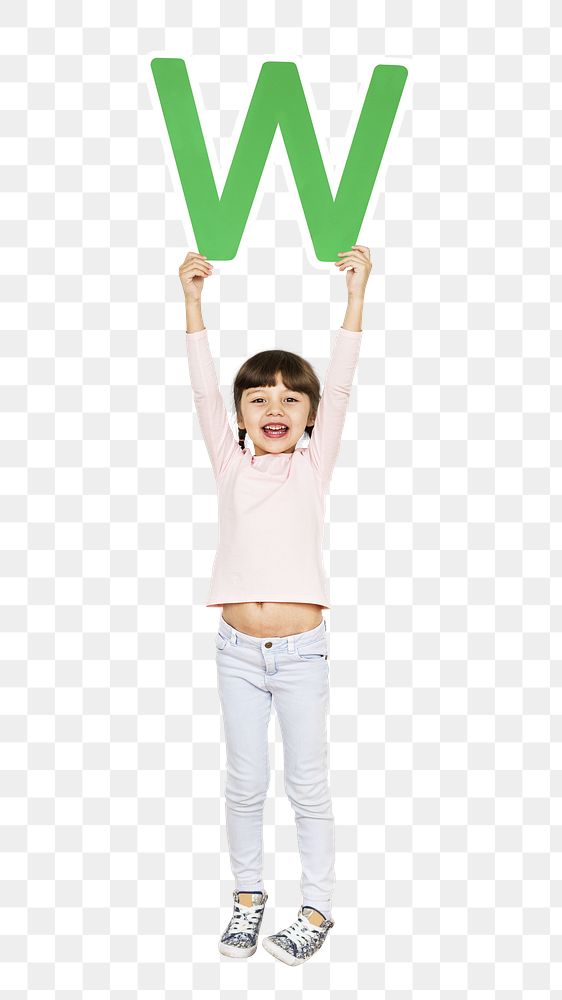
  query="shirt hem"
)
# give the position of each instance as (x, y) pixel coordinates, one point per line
(268, 600)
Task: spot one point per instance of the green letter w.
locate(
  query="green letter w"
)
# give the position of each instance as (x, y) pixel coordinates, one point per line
(278, 99)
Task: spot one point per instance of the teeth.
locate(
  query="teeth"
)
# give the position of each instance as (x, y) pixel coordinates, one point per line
(275, 427)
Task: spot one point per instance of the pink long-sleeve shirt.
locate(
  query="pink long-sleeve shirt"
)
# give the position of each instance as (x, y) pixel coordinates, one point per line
(271, 507)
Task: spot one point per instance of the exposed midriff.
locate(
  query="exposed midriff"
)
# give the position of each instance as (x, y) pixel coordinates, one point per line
(272, 618)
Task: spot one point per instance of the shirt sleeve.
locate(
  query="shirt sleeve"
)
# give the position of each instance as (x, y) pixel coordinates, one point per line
(330, 418)
(209, 404)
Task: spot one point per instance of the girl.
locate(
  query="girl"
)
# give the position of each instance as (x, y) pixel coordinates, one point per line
(269, 580)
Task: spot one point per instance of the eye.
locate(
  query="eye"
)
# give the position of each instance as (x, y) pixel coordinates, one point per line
(259, 399)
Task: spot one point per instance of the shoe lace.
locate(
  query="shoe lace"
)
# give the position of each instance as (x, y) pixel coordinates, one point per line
(301, 930)
(244, 918)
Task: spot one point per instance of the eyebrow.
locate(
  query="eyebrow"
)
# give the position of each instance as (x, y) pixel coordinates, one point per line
(261, 388)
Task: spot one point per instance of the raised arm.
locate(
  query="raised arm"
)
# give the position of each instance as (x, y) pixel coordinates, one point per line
(328, 426)
(209, 404)
(211, 411)
(326, 437)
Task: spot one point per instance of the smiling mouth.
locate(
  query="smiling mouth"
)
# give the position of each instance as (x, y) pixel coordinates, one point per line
(275, 431)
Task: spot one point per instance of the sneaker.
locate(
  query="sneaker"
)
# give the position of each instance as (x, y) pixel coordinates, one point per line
(300, 940)
(240, 938)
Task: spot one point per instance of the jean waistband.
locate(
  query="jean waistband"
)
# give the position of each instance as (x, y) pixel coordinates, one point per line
(277, 642)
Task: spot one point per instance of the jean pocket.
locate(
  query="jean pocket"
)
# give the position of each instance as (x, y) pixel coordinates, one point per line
(220, 641)
(317, 649)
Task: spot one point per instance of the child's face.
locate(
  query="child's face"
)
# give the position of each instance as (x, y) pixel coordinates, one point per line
(274, 405)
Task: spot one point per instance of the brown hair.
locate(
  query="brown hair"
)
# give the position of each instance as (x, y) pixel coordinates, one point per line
(261, 369)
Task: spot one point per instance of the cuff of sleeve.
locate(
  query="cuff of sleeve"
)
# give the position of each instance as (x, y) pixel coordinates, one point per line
(350, 333)
(198, 335)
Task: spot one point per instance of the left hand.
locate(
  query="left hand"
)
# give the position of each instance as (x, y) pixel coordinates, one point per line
(358, 262)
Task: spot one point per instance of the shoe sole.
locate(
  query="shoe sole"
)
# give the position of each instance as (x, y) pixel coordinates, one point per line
(278, 952)
(231, 951)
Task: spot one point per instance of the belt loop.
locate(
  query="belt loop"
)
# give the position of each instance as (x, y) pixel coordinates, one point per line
(290, 644)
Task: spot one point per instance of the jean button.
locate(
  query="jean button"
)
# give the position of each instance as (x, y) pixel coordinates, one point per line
(268, 645)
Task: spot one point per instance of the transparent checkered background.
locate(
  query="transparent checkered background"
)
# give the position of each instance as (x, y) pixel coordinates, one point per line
(443, 527)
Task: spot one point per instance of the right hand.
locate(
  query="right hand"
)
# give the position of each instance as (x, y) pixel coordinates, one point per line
(193, 272)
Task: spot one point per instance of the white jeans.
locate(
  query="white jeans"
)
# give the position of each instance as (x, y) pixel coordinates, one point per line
(294, 672)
